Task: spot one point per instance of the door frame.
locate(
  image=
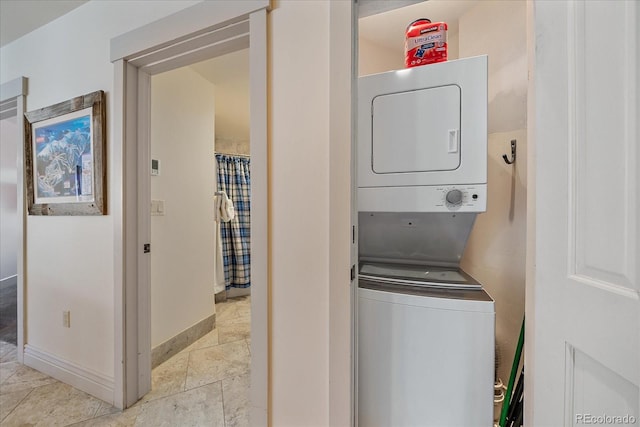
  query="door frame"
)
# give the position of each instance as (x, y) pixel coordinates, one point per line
(13, 95)
(199, 32)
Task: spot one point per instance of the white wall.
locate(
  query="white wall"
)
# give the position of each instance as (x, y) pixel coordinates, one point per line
(8, 194)
(299, 244)
(495, 254)
(182, 240)
(453, 40)
(373, 58)
(70, 260)
(498, 28)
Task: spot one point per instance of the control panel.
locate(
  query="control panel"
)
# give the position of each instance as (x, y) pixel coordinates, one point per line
(455, 197)
(446, 198)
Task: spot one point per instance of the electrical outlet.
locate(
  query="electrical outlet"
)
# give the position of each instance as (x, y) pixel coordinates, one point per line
(66, 319)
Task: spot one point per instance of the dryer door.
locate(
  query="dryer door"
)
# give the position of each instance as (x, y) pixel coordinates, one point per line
(416, 131)
(422, 126)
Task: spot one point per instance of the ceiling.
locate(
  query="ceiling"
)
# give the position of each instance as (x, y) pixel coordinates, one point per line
(20, 17)
(230, 75)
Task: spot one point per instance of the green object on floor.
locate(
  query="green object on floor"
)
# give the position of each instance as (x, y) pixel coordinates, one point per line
(512, 377)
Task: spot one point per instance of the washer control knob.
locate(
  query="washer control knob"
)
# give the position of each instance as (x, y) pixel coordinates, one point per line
(454, 197)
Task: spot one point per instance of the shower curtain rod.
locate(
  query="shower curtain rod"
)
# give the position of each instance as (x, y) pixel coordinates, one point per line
(233, 155)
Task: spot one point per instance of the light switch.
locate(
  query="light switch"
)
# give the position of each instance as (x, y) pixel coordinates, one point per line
(157, 207)
(66, 319)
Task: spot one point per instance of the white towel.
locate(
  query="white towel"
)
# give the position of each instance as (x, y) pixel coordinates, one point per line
(223, 212)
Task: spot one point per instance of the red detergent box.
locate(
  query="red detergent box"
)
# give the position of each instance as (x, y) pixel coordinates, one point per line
(425, 42)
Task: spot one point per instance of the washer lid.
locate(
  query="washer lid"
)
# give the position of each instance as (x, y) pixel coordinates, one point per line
(417, 275)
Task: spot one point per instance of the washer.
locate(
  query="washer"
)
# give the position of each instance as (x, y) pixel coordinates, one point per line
(425, 348)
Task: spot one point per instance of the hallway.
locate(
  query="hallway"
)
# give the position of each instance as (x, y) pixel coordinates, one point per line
(8, 311)
(206, 384)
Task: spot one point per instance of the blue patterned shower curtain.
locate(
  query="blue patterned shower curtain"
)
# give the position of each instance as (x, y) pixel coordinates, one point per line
(235, 180)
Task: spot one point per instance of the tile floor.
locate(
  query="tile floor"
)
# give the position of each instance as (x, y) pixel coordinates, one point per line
(207, 384)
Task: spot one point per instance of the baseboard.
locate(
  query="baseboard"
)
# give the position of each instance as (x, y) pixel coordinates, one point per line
(184, 339)
(9, 281)
(238, 292)
(220, 296)
(68, 372)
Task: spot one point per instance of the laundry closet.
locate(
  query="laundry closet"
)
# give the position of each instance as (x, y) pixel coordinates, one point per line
(474, 213)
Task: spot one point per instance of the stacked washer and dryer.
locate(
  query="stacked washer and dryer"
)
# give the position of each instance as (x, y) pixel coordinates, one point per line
(425, 338)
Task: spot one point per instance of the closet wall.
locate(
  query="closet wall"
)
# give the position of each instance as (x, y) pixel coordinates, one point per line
(495, 253)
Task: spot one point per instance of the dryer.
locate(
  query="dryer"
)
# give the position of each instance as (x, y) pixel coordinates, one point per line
(422, 138)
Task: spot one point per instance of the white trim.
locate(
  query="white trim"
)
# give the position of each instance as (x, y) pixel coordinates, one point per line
(374, 7)
(260, 326)
(116, 206)
(200, 54)
(182, 25)
(85, 379)
(353, 294)
(18, 89)
(530, 279)
(132, 249)
(187, 46)
(569, 384)
(8, 108)
(143, 167)
(13, 88)
(341, 86)
(132, 322)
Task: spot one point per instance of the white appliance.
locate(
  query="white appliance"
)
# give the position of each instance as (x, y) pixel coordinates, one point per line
(425, 328)
(422, 138)
(425, 356)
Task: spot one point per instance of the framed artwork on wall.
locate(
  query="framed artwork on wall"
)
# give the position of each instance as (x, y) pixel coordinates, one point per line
(65, 156)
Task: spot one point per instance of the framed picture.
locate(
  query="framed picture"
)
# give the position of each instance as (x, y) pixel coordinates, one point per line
(65, 155)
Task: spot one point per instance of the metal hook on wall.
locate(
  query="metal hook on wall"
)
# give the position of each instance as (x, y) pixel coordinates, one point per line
(513, 154)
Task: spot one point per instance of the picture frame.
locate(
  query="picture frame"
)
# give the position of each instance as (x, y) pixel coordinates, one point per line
(65, 157)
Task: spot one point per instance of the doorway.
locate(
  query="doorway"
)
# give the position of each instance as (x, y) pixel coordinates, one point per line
(136, 58)
(495, 251)
(12, 220)
(9, 232)
(199, 145)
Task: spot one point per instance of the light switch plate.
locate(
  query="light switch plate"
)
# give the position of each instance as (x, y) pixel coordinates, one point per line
(157, 207)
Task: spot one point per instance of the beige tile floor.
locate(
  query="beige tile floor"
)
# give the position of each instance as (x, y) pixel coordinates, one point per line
(207, 384)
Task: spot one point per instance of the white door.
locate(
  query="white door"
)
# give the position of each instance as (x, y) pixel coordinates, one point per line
(583, 330)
